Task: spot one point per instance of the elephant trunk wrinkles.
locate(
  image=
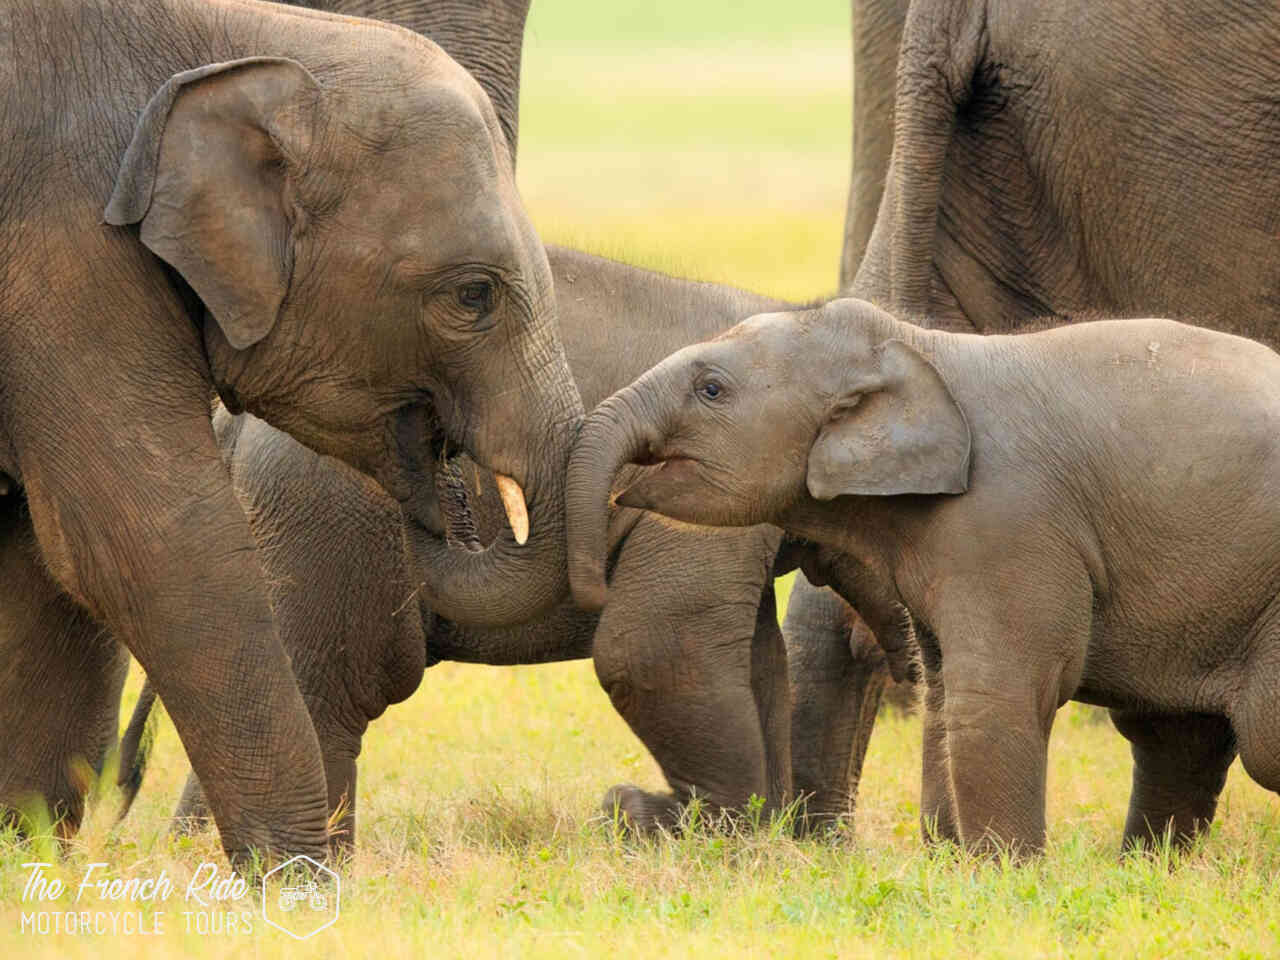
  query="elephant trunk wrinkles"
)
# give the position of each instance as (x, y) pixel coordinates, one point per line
(616, 433)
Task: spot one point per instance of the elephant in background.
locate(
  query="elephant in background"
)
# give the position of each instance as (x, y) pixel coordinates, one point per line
(1062, 161)
(485, 37)
(1085, 513)
(877, 34)
(234, 144)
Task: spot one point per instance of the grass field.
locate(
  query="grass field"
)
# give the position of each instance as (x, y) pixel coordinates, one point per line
(679, 136)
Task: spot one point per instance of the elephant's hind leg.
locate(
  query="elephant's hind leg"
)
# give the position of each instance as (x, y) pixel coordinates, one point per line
(1255, 711)
(1179, 768)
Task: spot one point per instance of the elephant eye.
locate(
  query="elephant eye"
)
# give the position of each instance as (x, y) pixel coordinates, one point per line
(710, 389)
(477, 296)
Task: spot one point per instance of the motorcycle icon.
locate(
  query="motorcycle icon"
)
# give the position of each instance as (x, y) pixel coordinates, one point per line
(290, 897)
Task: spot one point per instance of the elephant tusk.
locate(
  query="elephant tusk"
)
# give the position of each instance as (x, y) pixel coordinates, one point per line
(513, 503)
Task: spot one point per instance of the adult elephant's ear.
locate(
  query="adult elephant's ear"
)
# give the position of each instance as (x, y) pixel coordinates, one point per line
(207, 177)
(896, 429)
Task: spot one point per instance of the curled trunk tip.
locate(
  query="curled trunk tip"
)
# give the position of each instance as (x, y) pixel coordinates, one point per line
(614, 434)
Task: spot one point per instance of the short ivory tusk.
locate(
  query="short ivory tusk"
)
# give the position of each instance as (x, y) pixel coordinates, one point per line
(513, 503)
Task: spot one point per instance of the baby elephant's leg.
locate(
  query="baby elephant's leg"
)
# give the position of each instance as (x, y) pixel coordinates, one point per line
(997, 745)
(1012, 652)
(1179, 768)
(937, 804)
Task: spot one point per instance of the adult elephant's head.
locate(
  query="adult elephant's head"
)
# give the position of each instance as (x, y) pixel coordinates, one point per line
(370, 283)
(779, 411)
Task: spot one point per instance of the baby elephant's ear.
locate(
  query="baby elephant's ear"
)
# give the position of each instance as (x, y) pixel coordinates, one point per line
(897, 430)
(206, 176)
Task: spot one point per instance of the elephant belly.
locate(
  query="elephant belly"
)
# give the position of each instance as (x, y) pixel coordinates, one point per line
(1192, 664)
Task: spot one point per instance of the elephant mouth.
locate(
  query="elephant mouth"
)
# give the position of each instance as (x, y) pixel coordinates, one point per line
(462, 484)
(460, 529)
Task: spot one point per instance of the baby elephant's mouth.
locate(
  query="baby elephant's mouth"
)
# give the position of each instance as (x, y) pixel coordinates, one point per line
(668, 473)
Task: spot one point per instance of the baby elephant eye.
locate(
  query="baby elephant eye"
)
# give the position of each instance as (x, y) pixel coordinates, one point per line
(709, 389)
(477, 296)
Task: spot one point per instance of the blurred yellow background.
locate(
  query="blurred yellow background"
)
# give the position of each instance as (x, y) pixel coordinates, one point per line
(707, 139)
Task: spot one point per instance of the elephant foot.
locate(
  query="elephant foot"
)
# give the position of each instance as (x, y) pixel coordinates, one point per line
(815, 823)
(193, 814)
(641, 812)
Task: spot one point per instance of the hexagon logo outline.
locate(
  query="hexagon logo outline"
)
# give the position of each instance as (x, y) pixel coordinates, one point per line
(306, 894)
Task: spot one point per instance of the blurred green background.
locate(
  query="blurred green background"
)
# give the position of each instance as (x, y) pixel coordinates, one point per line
(709, 139)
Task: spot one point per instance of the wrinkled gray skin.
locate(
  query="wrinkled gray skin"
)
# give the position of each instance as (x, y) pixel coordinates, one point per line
(484, 36)
(1053, 159)
(1085, 513)
(700, 601)
(329, 237)
(354, 619)
(877, 34)
(689, 648)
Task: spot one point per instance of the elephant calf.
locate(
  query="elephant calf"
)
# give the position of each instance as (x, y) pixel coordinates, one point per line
(1088, 513)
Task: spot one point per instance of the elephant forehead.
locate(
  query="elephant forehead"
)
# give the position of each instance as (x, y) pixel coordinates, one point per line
(753, 328)
(423, 213)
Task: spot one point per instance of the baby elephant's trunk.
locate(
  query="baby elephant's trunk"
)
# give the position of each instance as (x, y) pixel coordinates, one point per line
(621, 430)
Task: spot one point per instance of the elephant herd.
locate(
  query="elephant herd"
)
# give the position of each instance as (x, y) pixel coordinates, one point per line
(313, 216)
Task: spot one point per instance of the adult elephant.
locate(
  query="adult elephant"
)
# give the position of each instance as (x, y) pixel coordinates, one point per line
(315, 217)
(689, 650)
(1053, 160)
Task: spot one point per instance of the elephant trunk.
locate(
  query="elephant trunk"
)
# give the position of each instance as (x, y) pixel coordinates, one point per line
(619, 431)
(512, 579)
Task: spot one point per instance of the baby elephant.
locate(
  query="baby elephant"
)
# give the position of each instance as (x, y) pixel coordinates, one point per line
(1087, 513)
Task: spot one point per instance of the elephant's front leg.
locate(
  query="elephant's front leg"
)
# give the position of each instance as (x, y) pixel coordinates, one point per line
(997, 756)
(676, 650)
(60, 682)
(771, 690)
(1012, 651)
(1179, 767)
(135, 517)
(937, 800)
(193, 814)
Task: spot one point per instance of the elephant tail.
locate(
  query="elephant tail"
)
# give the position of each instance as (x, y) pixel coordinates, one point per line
(943, 46)
(135, 746)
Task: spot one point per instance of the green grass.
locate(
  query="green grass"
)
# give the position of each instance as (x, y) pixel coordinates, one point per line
(673, 136)
(480, 838)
